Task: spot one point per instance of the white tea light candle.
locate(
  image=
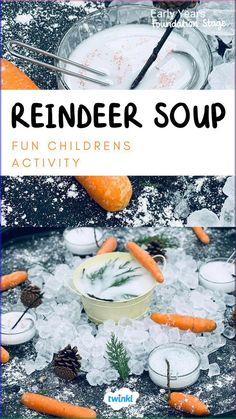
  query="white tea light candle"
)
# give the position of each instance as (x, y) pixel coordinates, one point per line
(184, 365)
(218, 275)
(84, 240)
(23, 332)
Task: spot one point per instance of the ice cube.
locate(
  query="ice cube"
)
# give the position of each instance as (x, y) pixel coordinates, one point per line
(188, 338)
(197, 299)
(52, 287)
(136, 367)
(214, 370)
(44, 330)
(201, 341)
(110, 375)
(124, 322)
(137, 351)
(216, 11)
(29, 367)
(36, 275)
(85, 365)
(182, 210)
(227, 215)
(203, 218)
(98, 362)
(204, 362)
(88, 340)
(109, 326)
(211, 306)
(95, 377)
(41, 346)
(76, 261)
(229, 332)
(174, 335)
(222, 77)
(46, 308)
(40, 362)
(229, 187)
(217, 59)
(217, 342)
(84, 328)
(229, 300)
(220, 328)
(229, 55)
(190, 280)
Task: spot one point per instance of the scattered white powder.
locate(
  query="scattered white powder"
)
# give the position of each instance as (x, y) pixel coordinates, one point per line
(23, 19)
(72, 192)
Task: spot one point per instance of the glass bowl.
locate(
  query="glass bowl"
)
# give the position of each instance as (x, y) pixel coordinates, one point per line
(224, 286)
(125, 15)
(16, 337)
(181, 380)
(89, 247)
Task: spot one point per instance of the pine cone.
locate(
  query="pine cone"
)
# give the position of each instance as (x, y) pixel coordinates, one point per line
(29, 294)
(154, 248)
(175, 4)
(67, 363)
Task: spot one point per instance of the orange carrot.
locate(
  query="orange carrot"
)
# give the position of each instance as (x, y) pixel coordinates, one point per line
(12, 280)
(55, 408)
(4, 356)
(146, 260)
(195, 324)
(201, 235)
(112, 193)
(109, 245)
(12, 78)
(188, 404)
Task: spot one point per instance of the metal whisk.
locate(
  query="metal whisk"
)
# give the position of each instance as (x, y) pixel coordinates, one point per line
(12, 51)
(232, 257)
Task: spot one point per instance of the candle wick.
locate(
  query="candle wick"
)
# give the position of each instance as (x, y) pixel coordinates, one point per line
(27, 309)
(168, 377)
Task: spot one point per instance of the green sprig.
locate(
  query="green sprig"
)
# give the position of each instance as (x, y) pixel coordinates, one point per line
(118, 357)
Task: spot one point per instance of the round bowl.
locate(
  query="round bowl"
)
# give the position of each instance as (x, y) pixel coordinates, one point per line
(87, 248)
(188, 378)
(224, 286)
(16, 337)
(124, 15)
(101, 310)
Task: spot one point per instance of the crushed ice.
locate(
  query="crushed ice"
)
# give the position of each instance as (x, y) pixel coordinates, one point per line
(61, 321)
(226, 218)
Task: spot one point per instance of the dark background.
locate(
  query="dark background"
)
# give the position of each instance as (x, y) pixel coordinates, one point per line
(60, 200)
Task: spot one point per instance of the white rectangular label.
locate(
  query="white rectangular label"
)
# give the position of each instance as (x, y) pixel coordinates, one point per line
(121, 150)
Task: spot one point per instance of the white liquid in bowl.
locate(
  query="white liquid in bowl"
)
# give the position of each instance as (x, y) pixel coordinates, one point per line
(218, 275)
(184, 365)
(116, 280)
(122, 50)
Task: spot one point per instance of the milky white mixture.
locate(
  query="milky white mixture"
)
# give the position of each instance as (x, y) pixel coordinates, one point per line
(121, 280)
(121, 52)
(9, 319)
(218, 271)
(181, 360)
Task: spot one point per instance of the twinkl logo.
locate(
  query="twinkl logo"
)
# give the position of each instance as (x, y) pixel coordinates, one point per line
(120, 398)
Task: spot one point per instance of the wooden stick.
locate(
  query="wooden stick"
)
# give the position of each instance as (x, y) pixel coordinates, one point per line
(27, 309)
(157, 49)
(168, 378)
